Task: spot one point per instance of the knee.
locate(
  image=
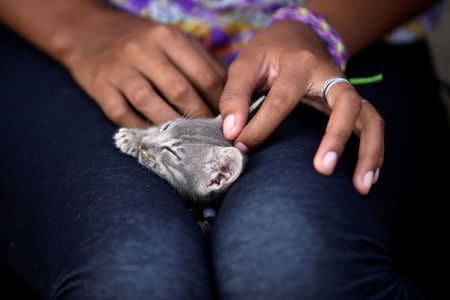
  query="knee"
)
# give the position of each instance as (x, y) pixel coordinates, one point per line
(129, 281)
(276, 261)
(142, 261)
(290, 251)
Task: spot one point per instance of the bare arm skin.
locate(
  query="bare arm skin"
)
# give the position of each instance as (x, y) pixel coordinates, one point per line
(120, 59)
(362, 22)
(49, 24)
(290, 61)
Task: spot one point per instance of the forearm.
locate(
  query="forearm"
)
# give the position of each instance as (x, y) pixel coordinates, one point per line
(361, 22)
(50, 24)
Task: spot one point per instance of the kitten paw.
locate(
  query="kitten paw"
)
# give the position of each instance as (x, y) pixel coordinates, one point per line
(127, 140)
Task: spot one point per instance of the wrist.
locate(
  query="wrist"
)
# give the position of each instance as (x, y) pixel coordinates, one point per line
(320, 26)
(331, 11)
(68, 38)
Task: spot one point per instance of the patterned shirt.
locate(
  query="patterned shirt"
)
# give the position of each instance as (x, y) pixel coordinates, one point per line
(225, 26)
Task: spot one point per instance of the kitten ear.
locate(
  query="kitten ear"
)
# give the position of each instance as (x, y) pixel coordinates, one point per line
(223, 167)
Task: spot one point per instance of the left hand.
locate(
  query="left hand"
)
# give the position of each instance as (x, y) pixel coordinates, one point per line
(291, 61)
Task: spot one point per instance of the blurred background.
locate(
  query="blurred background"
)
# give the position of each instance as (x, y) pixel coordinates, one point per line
(440, 47)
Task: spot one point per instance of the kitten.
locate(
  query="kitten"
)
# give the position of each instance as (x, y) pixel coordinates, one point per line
(191, 154)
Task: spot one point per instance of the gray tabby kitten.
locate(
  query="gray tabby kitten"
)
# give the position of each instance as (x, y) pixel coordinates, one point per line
(191, 154)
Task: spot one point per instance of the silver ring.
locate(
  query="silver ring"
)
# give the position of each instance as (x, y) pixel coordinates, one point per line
(329, 83)
(364, 100)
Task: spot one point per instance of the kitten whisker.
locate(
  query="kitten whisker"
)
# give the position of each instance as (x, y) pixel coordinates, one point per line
(184, 116)
(190, 111)
(194, 116)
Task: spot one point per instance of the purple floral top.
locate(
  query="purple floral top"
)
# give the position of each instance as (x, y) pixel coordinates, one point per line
(225, 26)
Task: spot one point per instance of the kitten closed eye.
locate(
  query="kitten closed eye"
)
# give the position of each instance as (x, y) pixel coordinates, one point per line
(173, 152)
(191, 154)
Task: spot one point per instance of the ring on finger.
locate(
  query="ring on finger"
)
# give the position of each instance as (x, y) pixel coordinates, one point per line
(329, 83)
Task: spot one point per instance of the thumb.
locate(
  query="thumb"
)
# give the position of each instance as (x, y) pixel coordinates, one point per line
(236, 96)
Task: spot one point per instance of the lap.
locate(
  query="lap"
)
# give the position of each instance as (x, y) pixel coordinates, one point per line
(295, 228)
(77, 217)
(71, 201)
(315, 235)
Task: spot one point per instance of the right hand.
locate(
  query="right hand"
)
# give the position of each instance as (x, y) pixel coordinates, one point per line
(119, 60)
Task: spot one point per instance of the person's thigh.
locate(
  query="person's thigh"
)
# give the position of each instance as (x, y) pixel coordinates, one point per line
(286, 232)
(78, 219)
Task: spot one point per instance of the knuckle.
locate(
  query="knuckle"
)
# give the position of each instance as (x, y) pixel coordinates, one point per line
(140, 95)
(164, 31)
(212, 82)
(231, 94)
(279, 102)
(340, 136)
(179, 93)
(105, 74)
(380, 121)
(376, 121)
(372, 155)
(131, 47)
(117, 114)
(306, 55)
(354, 98)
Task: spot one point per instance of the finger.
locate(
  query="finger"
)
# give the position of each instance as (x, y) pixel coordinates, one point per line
(345, 104)
(196, 68)
(173, 85)
(236, 96)
(117, 109)
(371, 148)
(213, 62)
(287, 90)
(217, 67)
(142, 96)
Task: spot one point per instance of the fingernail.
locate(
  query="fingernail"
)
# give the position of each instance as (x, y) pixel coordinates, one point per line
(241, 147)
(329, 161)
(367, 180)
(377, 174)
(228, 124)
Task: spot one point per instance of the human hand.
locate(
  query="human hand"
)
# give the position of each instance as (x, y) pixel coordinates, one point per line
(120, 59)
(293, 63)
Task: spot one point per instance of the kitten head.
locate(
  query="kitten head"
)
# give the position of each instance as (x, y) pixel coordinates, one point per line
(194, 156)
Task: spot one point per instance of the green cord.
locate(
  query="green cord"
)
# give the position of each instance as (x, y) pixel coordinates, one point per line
(366, 80)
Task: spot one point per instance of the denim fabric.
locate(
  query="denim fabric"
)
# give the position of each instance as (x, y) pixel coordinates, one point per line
(79, 220)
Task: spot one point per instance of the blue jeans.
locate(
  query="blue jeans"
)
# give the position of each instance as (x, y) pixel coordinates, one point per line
(79, 220)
